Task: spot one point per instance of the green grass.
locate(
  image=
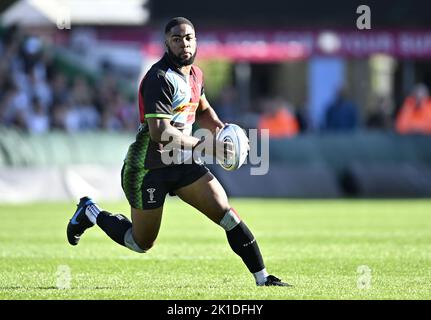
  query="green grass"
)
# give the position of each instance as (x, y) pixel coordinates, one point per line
(316, 245)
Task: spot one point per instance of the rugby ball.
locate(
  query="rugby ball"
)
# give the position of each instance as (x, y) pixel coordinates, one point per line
(236, 135)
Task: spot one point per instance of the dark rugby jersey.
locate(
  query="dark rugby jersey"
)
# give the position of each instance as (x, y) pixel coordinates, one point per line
(165, 92)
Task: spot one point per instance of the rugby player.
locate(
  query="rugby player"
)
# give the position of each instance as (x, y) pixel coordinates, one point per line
(171, 96)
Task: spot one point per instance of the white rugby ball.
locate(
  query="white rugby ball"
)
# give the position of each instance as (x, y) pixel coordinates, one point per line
(236, 135)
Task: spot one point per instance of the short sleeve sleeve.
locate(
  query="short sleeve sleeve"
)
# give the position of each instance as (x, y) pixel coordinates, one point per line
(157, 95)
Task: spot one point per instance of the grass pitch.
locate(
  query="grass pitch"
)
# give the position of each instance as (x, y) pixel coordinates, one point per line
(316, 245)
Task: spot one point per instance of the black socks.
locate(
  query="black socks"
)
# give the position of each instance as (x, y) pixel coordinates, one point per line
(243, 243)
(115, 226)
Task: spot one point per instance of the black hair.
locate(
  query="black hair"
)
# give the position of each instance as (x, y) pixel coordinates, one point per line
(177, 21)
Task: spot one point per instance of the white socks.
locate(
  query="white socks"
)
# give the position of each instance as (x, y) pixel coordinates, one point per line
(92, 211)
(261, 276)
(230, 220)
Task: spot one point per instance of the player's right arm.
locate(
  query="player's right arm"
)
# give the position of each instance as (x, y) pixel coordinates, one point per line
(161, 131)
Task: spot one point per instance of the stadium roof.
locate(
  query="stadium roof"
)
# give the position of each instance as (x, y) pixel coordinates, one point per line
(293, 13)
(79, 12)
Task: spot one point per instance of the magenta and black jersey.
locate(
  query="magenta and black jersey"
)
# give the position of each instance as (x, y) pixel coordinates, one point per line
(164, 92)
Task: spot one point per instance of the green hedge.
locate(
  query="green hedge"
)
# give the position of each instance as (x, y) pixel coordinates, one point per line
(332, 150)
(19, 149)
(340, 150)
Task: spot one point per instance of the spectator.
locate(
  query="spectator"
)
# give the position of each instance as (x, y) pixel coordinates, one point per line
(278, 118)
(11, 55)
(31, 53)
(15, 106)
(71, 120)
(380, 116)
(227, 107)
(58, 117)
(20, 120)
(60, 90)
(342, 114)
(415, 113)
(81, 94)
(40, 90)
(127, 113)
(110, 121)
(105, 91)
(38, 121)
(4, 76)
(110, 116)
(83, 114)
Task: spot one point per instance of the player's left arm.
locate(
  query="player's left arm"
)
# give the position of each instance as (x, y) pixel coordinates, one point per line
(206, 116)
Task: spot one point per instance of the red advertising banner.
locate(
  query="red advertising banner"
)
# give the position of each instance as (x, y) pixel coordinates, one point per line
(281, 45)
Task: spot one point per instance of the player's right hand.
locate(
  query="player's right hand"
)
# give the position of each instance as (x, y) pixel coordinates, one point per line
(223, 150)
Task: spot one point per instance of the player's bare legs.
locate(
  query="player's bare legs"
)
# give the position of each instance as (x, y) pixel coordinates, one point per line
(209, 197)
(145, 226)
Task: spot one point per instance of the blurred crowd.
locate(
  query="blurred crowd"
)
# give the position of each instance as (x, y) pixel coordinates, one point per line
(36, 96)
(341, 115)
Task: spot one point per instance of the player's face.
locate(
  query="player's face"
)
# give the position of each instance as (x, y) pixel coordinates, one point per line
(181, 43)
